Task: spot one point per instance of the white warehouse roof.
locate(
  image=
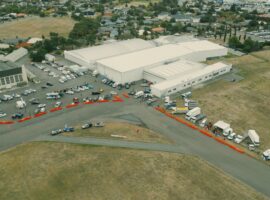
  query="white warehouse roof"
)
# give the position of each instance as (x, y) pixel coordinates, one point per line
(94, 53)
(157, 55)
(143, 58)
(190, 76)
(200, 45)
(175, 69)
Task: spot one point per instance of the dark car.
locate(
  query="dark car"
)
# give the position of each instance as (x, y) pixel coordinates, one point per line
(120, 86)
(49, 84)
(17, 116)
(127, 85)
(68, 129)
(96, 93)
(44, 87)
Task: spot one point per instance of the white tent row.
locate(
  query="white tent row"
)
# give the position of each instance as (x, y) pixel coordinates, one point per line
(185, 81)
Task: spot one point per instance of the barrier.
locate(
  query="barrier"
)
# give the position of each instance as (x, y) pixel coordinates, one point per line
(24, 119)
(125, 95)
(56, 109)
(40, 114)
(117, 99)
(6, 122)
(206, 133)
(88, 102)
(72, 105)
(103, 101)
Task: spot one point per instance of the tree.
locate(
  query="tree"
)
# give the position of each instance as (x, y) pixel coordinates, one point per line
(234, 43)
(38, 55)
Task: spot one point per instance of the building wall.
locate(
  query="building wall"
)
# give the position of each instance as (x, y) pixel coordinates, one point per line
(188, 83)
(152, 78)
(69, 56)
(203, 55)
(11, 81)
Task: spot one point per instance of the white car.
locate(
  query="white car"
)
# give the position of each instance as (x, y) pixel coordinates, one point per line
(58, 104)
(3, 114)
(61, 80)
(17, 96)
(238, 139)
(69, 92)
(41, 105)
(42, 109)
(68, 77)
(46, 70)
(113, 93)
(231, 136)
(104, 80)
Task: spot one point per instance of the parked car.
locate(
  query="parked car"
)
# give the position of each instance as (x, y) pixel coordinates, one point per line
(49, 84)
(58, 104)
(238, 139)
(68, 129)
(17, 116)
(2, 114)
(99, 124)
(56, 131)
(231, 136)
(41, 105)
(87, 125)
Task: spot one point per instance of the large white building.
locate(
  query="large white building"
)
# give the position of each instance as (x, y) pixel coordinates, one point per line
(170, 63)
(130, 67)
(87, 57)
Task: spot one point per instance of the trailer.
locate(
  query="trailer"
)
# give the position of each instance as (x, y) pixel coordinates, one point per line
(197, 118)
(223, 127)
(254, 137)
(192, 113)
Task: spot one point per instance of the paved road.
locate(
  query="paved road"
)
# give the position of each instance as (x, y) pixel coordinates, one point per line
(186, 140)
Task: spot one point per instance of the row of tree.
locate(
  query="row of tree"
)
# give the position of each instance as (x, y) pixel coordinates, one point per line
(247, 46)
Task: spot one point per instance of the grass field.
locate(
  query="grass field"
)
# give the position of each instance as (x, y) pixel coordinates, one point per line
(244, 104)
(130, 131)
(66, 171)
(36, 27)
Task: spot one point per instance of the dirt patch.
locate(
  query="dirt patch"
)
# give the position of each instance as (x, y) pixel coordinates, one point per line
(36, 27)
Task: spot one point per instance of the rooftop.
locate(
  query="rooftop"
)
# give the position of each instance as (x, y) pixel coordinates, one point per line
(157, 55)
(175, 69)
(182, 78)
(110, 49)
(6, 65)
(143, 58)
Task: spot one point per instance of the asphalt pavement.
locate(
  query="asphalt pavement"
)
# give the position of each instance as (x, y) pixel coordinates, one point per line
(248, 170)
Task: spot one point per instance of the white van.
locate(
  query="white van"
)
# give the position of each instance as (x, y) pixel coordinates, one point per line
(139, 94)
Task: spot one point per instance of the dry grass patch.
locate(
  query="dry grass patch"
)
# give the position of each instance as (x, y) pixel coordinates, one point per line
(36, 27)
(243, 104)
(129, 131)
(67, 171)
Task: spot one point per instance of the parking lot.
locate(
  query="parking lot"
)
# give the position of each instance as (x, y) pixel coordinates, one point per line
(79, 88)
